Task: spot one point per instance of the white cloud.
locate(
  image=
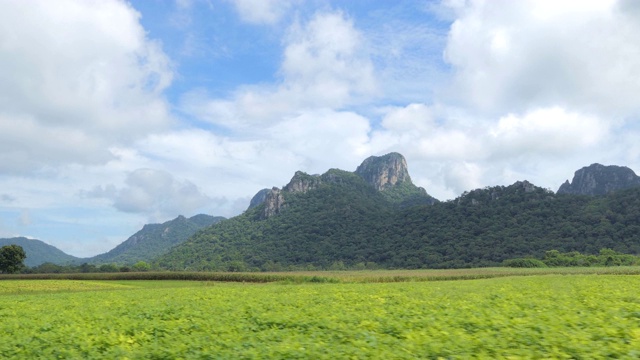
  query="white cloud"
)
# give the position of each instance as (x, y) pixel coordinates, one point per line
(76, 76)
(325, 65)
(552, 131)
(324, 139)
(515, 56)
(155, 193)
(262, 11)
(452, 152)
(326, 62)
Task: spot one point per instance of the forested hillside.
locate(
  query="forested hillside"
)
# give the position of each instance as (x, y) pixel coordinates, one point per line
(349, 223)
(154, 240)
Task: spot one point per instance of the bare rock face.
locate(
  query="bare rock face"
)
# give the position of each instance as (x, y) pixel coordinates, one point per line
(384, 172)
(597, 179)
(302, 182)
(274, 198)
(273, 203)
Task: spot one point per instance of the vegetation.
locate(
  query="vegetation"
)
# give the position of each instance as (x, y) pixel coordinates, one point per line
(348, 224)
(49, 268)
(606, 257)
(11, 259)
(521, 317)
(154, 240)
(341, 276)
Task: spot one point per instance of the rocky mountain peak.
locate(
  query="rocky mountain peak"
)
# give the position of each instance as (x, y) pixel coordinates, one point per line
(302, 182)
(384, 172)
(597, 179)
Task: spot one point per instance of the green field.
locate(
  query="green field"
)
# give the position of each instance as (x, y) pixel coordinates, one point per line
(538, 316)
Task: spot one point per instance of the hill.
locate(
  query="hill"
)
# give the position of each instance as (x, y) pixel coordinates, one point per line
(39, 252)
(314, 220)
(154, 240)
(597, 179)
(343, 218)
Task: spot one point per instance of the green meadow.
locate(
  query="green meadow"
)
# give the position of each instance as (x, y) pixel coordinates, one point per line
(567, 316)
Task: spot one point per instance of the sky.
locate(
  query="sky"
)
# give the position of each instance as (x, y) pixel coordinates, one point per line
(115, 114)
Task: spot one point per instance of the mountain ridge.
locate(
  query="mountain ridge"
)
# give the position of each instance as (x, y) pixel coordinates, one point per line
(376, 215)
(343, 218)
(388, 174)
(598, 179)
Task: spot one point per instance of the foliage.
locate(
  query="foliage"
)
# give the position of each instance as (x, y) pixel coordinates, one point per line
(11, 259)
(524, 263)
(141, 266)
(406, 194)
(49, 268)
(525, 317)
(346, 220)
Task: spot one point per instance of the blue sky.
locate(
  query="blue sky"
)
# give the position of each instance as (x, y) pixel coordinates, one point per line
(115, 114)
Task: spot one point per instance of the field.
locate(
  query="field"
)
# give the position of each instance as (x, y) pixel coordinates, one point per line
(537, 316)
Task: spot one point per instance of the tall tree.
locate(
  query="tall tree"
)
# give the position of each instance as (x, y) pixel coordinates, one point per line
(11, 259)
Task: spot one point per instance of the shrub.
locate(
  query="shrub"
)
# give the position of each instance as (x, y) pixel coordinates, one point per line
(524, 263)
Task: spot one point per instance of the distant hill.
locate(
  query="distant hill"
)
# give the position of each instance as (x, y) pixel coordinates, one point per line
(343, 218)
(39, 252)
(155, 239)
(598, 179)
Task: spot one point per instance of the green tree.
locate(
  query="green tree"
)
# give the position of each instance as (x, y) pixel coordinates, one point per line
(11, 259)
(141, 266)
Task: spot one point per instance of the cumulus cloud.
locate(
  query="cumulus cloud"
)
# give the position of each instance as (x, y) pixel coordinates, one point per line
(325, 61)
(552, 131)
(519, 55)
(155, 193)
(313, 141)
(325, 65)
(76, 76)
(454, 152)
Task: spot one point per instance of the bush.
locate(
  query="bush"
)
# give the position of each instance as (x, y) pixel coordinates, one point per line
(524, 263)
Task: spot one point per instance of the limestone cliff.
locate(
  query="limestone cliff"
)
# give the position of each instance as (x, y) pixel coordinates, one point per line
(597, 179)
(273, 203)
(384, 172)
(387, 174)
(302, 182)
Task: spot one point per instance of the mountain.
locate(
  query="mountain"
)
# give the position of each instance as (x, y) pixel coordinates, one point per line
(343, 218)
(293, 221)
(39, 252)
(597, 179)
(155, 239)
(389, 174)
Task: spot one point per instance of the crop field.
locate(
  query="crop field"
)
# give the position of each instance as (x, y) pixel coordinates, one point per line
(538, 316)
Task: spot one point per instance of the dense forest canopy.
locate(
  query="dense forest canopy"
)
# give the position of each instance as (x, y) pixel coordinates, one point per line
(348, 223)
